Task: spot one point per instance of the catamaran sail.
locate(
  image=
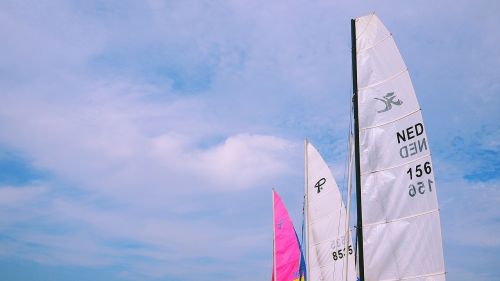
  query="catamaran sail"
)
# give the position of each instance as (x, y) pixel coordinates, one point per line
(287, 258)
(327, 248)
(401, 232)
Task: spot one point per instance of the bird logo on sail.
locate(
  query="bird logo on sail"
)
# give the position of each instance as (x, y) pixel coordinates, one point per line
(388, 101)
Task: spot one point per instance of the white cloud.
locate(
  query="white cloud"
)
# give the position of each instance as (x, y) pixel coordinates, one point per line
(113, 136)
(246, 160)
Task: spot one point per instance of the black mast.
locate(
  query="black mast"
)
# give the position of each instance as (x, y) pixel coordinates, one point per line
(359, 229)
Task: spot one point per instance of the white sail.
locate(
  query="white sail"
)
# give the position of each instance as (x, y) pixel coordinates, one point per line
(401, 225)
(326, 224)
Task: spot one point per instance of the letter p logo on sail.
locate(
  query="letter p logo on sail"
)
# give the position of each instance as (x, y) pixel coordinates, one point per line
(319, 185)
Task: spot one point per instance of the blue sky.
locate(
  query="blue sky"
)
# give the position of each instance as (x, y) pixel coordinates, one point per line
(140, 140)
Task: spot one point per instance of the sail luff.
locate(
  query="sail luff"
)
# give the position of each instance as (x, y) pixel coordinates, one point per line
(359, 213)
(306, 207)
(273, 269)
(274, 240)
(348, 208)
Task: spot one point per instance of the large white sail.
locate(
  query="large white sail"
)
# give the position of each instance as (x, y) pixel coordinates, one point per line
(401, 225)
(326, 224)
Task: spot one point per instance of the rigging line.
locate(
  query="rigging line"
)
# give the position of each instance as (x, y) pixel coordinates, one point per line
(342, 187)
(351, 135)
(303, 227)
(345, 185)
(306, 203)
(344, 182)
(341, 205)
(351, 109)
(347, 235)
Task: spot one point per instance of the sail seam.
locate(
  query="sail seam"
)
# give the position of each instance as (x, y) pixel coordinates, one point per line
(323, 265)
(375, 44)
(403, 218)
(392, 121)
(397, 166)
(317, 219)
(331, 238)
(312, 199)
(385, 80)
(416, 276)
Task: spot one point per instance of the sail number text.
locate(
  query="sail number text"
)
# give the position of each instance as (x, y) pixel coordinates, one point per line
(420, 170)
(339, 254)
(422, 186)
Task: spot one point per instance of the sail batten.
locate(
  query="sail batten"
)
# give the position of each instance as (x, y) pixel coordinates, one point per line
(396, 166)
(418, 276)
(391, 121)
(399, 219)
(374, 44)
(404, 71)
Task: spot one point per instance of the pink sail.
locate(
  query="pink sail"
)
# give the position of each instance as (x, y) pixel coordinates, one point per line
(287, 255)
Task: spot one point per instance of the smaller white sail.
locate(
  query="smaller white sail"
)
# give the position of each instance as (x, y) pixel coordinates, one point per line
(327, 247)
